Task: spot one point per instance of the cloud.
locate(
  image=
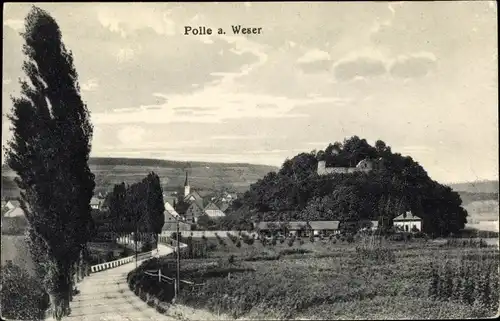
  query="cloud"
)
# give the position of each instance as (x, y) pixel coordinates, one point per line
(125, 54)
(16, 24)
(6, 81)
(131, 135)
(124, 19)
(413, 66)
(364, 67)
(222, 104)
(90, 85)
(237, 137)
(314, 55)
(266, 106)
(315, 61)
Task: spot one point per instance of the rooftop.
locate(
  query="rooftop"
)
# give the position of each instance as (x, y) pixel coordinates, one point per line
(407, 216)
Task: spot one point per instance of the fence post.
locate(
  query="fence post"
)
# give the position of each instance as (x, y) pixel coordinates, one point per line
(159, 275)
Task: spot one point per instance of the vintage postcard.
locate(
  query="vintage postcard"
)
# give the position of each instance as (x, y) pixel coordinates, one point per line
(250, 161)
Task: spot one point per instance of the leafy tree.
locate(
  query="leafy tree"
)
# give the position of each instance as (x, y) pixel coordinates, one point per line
(49, 152)
(205, 222)
(118, 213)
(155, 205)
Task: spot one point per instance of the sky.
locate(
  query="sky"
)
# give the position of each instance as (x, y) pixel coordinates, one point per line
(421, 76)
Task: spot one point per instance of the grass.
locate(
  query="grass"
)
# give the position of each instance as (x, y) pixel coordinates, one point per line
(370, 278)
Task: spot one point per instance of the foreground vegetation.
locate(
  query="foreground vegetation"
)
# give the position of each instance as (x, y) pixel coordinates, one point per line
(23, 296)
(368, 278)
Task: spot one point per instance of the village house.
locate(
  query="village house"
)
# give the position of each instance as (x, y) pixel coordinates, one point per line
(213, 211)
(193, 212)
(408, 222)
(14, 212)
(12, 204)
(168, 227)
(223, 206)
(95, 203)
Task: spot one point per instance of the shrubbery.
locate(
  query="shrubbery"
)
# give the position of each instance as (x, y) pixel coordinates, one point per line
(469, 282)
(466, 243)
(22, 296)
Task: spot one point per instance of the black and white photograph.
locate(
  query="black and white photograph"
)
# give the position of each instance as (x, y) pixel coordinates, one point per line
(250, 161)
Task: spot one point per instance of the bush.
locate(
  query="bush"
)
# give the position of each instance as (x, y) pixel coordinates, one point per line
(466, 282)
(233, 238)
(22, 296)
(466, 243)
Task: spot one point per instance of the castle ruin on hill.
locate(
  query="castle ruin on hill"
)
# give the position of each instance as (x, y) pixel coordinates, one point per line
(365, 166)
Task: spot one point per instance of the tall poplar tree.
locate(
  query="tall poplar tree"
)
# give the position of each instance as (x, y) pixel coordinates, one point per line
(49, 152)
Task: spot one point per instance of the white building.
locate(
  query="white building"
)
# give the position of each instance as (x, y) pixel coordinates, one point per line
(408, 222)
(95, 203)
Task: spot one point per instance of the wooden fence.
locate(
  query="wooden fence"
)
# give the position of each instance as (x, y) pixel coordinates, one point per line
(125, 260)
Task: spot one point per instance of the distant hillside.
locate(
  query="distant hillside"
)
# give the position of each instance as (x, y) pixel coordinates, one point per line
(202, 175)
(476, 191)
(476, 187)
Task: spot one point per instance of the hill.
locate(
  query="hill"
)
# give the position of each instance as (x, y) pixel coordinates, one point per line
(202, 175)
(387, 186)
(476, 191)
(488, 187)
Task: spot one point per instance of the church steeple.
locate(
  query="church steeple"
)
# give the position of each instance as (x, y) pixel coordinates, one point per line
(186, 186)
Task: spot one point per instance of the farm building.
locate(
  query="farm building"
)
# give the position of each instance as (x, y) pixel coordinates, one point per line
(408, 222)
(324, 227)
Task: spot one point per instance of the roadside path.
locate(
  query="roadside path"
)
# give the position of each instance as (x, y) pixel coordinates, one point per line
(106, 296)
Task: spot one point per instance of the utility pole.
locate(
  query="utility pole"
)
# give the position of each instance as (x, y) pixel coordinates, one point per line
(135, 239)
(178, 278)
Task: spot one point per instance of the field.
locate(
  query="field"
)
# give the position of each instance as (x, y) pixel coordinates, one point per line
(202, 175)
(326, 280)
(14, 248)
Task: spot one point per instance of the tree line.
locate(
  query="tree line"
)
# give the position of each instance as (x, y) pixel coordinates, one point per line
(137, 208)
(297, 192)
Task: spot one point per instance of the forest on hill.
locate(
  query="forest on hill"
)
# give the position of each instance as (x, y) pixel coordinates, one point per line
(297, 192)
